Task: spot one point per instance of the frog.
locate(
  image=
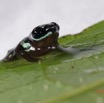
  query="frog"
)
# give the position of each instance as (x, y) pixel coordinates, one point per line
(41, 40)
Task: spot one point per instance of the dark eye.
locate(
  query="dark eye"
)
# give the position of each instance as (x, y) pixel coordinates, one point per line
(36, 30)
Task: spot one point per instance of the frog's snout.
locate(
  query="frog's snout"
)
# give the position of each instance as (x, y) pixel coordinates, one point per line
(56, 26)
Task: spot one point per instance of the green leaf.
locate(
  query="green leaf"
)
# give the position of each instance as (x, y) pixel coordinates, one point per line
(61, 77)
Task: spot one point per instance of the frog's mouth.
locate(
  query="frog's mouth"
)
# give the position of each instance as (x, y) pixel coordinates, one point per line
(43, 31)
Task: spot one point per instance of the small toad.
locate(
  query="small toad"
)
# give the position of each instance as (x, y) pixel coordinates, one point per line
(43, 39)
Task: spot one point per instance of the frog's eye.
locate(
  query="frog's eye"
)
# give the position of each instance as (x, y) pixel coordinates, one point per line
(40, 33)
(40, 37)
(35, 30)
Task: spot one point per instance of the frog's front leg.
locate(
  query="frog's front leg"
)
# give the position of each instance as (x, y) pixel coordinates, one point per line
(25, 50)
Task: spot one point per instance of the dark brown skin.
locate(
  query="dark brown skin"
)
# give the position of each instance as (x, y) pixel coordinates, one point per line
(43, 39)
(42, 46)
(33, 56)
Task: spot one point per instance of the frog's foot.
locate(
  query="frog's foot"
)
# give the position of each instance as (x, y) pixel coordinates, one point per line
(68, 50)
(11, 55)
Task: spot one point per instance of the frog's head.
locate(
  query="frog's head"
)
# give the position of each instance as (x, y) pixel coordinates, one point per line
(44, 31)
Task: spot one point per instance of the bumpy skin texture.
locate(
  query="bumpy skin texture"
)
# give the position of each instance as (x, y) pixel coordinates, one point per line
(42, 40)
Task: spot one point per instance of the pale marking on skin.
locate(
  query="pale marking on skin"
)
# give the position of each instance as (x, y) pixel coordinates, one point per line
(49, 47)
(43, 27)
(25, 45)
(14, 53)
(38, 48)
(35, 32)
(47, 29)
(53, 47)
(10, 55)
(31, 37)
(27, 50)
(32, 48)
